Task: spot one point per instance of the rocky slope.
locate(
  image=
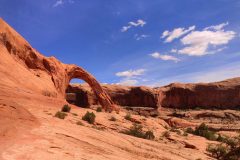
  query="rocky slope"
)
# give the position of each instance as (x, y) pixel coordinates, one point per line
(42, 74)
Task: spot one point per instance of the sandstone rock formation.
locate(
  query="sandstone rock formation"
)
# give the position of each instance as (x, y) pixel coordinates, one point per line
(121, 95)
(52, 77)
(222, 95)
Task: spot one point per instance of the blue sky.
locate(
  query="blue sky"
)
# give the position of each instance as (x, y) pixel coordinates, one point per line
(135, 42)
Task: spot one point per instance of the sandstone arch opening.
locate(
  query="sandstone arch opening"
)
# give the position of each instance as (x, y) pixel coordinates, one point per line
(75, 72)
(78, 96)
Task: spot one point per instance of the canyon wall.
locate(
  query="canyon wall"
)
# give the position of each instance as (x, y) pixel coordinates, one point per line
(121, 95)
(223, 95)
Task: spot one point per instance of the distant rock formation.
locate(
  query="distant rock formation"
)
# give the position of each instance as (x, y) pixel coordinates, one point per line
(121, 95)
(22, 65)
(221, 95)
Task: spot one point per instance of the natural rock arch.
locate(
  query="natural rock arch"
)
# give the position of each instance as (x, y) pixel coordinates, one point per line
(59, 73)
(74, 71)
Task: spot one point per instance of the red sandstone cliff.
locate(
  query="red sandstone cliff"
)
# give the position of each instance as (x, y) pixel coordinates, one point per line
(121, 95)
(21, 65)
(224, 95)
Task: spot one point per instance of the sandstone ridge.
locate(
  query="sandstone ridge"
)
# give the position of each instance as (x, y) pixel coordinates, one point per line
(51, 77)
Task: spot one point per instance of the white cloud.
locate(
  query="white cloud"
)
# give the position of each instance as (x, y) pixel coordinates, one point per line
(131, 24)
(198, 42)
(173, 51)
(61, 2)
(58, 3)
(217, 27)
(140, 37)
(131, 73)
(164, 57)
(176, 33)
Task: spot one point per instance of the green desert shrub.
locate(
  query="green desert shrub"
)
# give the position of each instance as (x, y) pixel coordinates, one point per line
(66, 108)
(190, 130)
(229, 149)
(60, 115)
(137, 131)
(203, 130)
(99, 109)
(217, 151)
(89, 117)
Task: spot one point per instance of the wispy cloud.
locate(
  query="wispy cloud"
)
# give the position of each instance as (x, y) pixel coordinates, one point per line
(62, 2)
(176, 33)
(217, 27)
(215, 74)
(131, 24)
(58, 3)
(130, 77)
(131, 73)
(165, 57)
(198, 42)
(140, 37)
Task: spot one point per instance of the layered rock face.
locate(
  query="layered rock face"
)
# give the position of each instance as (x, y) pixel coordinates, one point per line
(30, 69)
(222, 95)
(121, 95)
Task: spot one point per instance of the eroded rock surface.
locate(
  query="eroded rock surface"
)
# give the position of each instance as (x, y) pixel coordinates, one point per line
(222, 95)
(121, 95)
(51, 76)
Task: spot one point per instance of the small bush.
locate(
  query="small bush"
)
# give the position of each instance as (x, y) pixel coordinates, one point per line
(128, 117)
(149, 135)
(229, 149)
(136, 131)
(89, 117)
(60, 115)
(203, 130)
(217, 151)
(189, 130)
(112, 119)
(66, 108)
(166, 134)
(99, 109)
